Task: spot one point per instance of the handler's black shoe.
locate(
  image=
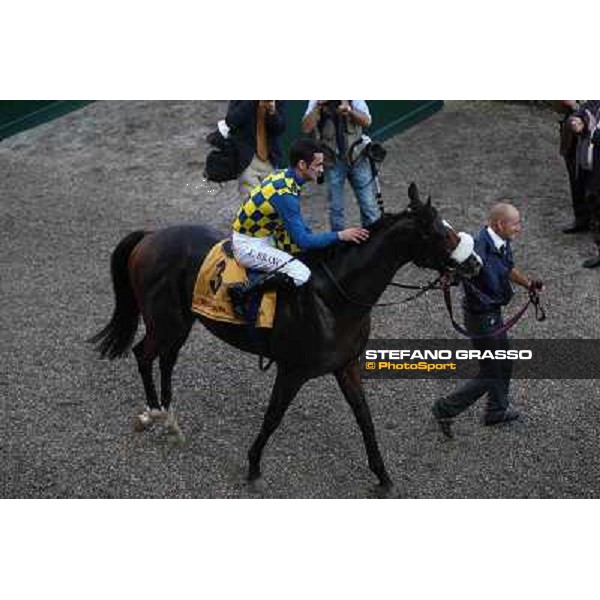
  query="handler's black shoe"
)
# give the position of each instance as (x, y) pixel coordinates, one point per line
(506, 417)
(444, 423)
(591, 263)
(576, 228)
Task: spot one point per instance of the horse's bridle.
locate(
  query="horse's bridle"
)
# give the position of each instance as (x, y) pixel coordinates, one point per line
(452, 262)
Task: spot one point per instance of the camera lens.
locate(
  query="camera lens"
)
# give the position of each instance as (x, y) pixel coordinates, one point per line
(376, 152)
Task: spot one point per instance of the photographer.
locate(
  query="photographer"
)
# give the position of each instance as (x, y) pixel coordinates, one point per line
(338, 126)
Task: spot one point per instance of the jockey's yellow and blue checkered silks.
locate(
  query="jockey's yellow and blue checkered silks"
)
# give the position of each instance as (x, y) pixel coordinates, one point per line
(211, 298)
(257, 217)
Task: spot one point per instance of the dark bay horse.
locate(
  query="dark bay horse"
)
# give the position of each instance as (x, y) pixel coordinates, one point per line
(321, 328)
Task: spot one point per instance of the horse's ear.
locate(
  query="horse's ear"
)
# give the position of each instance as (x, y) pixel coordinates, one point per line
(429, 202)
(413, 193)
(415, 198)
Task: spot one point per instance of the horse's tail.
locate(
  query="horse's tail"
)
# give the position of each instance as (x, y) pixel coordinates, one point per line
(116, 338)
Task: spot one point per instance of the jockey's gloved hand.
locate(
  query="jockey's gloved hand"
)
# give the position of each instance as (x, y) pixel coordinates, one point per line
(536, 285)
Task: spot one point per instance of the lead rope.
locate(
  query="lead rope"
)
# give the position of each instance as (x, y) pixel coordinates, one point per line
(534, 299)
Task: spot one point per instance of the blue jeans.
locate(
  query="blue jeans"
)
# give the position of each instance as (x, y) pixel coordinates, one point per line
(361, 180)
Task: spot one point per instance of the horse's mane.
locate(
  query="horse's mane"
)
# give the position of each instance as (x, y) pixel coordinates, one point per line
(332, 253)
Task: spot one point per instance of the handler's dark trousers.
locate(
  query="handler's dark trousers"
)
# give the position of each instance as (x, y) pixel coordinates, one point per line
(493, 377)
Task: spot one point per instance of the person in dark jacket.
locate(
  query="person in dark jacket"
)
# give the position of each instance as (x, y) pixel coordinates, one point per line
(483, 314)
(585, 124)
(568, 150)
(256, 125)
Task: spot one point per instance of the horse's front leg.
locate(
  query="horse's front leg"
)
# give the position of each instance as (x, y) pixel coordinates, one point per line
(348, 378)
(287, 384)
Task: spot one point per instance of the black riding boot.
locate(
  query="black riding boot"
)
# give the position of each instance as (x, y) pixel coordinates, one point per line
(239, 292)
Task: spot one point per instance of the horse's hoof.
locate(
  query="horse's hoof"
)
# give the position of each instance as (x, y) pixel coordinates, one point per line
(175, 437)
(255, 481)
(174, 433)
(386, 491)
(142, 422)
(158, 416)
(256, 485)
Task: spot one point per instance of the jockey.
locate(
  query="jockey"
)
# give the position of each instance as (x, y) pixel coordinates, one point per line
(269, 230)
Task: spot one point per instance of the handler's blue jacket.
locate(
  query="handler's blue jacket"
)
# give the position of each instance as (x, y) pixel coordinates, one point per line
(492, 281)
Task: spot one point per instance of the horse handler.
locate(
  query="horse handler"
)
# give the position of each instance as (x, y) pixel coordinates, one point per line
(269, 230)
(483, 302)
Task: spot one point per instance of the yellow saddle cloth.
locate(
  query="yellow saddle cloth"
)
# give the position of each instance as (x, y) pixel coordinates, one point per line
(211, 299)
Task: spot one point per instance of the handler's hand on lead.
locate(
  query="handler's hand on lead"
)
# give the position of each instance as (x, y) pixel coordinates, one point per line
(354, 234)
(536, 285)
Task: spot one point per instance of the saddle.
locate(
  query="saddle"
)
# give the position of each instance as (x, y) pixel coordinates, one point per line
(211, 298)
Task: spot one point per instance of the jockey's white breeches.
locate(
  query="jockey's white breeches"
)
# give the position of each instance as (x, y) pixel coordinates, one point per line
(261, 254)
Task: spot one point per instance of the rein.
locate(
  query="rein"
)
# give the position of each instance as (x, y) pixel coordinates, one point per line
(264, 364)
(445, 284)
(422, 290)
(534, 299)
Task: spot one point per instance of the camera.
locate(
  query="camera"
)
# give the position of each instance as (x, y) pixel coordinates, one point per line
(376, 152)
(365, 146)
(332, 105)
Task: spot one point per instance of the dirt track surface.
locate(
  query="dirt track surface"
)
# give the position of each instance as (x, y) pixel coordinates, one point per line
(72, 188)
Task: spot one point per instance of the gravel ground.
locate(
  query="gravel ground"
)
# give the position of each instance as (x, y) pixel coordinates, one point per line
(73, 187)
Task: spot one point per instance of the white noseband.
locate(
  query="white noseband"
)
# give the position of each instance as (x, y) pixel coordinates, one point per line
(464, 248)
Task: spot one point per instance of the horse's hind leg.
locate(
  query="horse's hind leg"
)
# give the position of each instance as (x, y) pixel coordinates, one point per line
(287, 384)
(348, 379)
(145, 353)
(167, 361)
